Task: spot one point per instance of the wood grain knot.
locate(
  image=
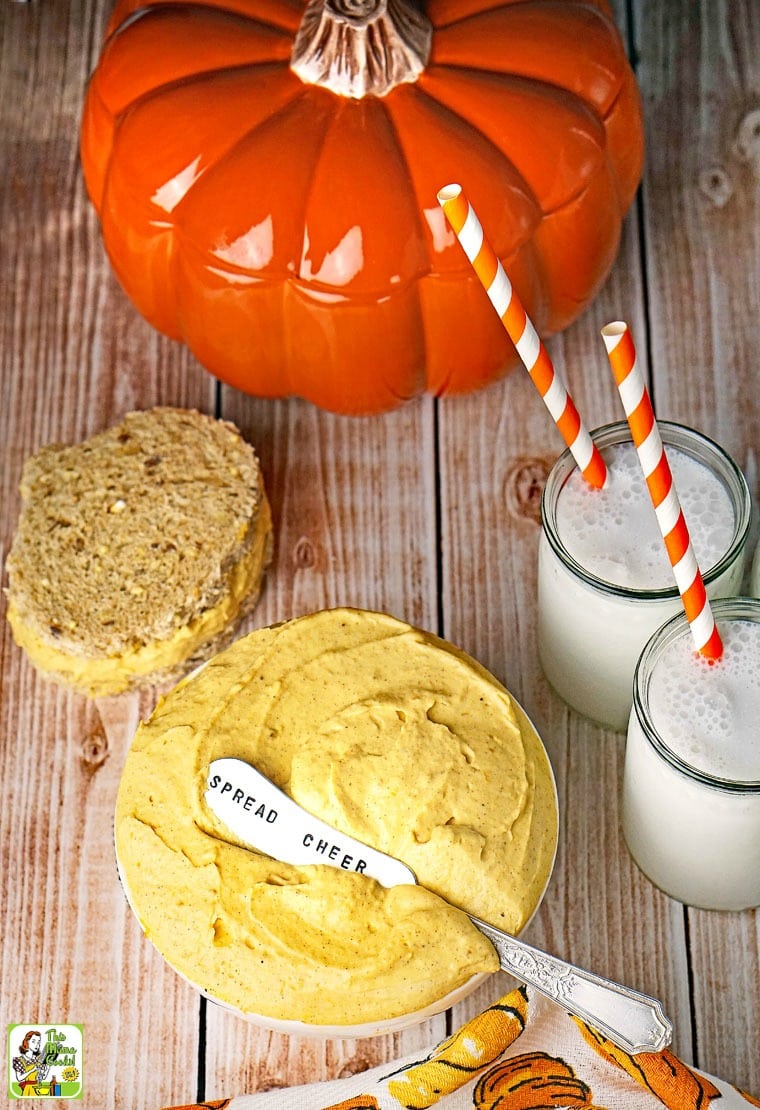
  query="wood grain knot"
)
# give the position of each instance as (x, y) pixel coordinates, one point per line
(355, 1065)
(269, 1082)
(304, 555)
(94, 750)
(715, 183)
(747, 142)
(523, 486)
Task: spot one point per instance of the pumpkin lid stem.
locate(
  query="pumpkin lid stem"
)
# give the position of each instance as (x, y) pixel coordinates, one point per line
(361, 48)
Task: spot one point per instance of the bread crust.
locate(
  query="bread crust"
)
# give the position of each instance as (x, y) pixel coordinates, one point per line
(128, 538)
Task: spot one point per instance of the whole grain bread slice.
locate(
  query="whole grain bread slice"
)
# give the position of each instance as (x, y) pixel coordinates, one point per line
(129, 537)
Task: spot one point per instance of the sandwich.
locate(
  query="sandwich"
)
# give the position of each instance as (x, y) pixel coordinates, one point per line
(138, 551)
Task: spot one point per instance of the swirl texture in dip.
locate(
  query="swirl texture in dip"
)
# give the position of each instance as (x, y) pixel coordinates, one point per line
(394, 737)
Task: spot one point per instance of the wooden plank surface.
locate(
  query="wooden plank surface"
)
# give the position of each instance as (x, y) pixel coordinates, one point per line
(430, 513)
(700, 76)
(74, 358)
(355, 506)
(586, 915)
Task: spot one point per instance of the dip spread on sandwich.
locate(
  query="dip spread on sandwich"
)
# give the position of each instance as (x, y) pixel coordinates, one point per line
(390, 735)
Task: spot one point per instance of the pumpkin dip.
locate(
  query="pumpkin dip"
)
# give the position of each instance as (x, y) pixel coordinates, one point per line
(394, 737)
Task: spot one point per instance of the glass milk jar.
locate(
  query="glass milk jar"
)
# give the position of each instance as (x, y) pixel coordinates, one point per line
(604, 580)
(691, 784)
(754, 585)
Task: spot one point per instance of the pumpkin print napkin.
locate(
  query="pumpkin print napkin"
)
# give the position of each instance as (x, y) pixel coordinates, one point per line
(522, 1053)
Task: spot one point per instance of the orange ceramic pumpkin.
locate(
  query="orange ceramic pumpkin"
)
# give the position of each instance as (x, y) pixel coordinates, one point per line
(266, 174)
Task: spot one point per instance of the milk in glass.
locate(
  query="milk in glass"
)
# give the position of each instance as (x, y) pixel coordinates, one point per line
(691, 786)
(604, 580)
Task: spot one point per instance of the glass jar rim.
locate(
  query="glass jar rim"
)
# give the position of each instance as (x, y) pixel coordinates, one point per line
(673, 435)
(726, 608)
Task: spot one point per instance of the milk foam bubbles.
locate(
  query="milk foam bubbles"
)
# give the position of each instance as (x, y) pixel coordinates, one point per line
(631, 552)
(709, 714)
(691, 785)
(604, 580)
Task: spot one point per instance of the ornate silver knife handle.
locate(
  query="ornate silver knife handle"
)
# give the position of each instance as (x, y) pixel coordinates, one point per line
(633, 1021)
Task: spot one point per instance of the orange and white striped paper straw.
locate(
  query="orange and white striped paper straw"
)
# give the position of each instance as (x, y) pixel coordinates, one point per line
(535, 358)
(654, 462)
